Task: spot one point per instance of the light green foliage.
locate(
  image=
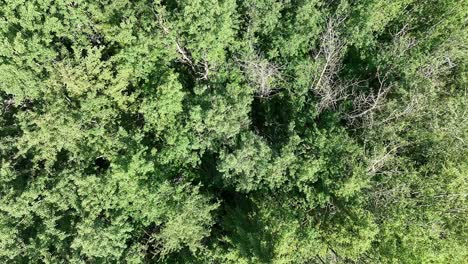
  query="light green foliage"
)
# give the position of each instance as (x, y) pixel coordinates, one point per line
(162, 105)
(247, 166)
(225, 131)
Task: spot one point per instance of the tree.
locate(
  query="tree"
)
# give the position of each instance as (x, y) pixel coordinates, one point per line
(227, 131)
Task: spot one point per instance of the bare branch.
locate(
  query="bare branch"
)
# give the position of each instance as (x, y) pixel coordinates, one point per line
(379, 161)
(185, 57)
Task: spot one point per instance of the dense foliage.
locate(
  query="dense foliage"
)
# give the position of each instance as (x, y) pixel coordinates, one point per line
(224, 131)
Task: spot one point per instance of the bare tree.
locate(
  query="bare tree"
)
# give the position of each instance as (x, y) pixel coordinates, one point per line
(262, 74)
(327, 87)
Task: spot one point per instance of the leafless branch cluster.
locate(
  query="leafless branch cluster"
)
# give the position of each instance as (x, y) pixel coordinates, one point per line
(402, 43)
(7, 104)
(365, 104)
(261, 74)
(441, 65)
(412, 106)
(327, 87)
(330, 90)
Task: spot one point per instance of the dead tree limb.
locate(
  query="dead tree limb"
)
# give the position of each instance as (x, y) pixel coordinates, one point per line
(201, 69)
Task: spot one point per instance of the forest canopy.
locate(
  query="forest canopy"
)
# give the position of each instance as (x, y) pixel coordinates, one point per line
(229, 131)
